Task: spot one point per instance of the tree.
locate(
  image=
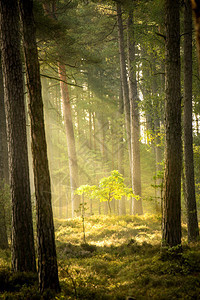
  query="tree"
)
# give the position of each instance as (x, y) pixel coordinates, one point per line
(23, 255)
(108, 189)
(130, 106)
(3, 167)
(171, 231)
(50, 10)
(47, 259)
(192, 221)
(73, 164)
(134, 119)
(120, 150)
(124, 76)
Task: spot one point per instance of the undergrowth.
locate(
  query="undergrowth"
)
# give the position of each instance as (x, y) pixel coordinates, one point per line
(121, 259)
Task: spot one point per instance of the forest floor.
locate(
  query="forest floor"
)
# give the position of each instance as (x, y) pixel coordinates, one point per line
(121, 259)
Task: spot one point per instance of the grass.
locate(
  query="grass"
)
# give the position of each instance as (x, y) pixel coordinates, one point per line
(121, 259)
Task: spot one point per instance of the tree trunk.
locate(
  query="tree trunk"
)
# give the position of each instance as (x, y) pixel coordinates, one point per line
(122, 202)
(157, 142)
(3, 135)
(124, 76)
(23, 254)
(3, 167)
(192, 222)
(47, 260)
(73, 164)
(171, 231)
(134, 119)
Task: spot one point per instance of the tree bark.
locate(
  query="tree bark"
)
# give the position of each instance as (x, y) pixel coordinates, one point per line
(47, 260)
(23, 254)
(171, 231)
(134, 119)
(3, 167)
(3, 135)
(192, 221)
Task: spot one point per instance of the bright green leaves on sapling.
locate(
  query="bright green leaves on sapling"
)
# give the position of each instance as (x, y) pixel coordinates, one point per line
(109, 188)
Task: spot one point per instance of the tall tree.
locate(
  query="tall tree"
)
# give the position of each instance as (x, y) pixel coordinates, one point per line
(171, 231)
(120, 150)
(134, 118)
(124, 75)
(47, 259)
(192, 221)
(23, 255)
(50, 10)
(73, 164)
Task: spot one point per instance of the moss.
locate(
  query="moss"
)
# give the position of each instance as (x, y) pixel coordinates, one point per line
(118, 261)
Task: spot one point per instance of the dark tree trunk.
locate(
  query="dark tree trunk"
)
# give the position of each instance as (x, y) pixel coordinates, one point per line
(3, 167)
(3, 135)
(171, 234)
(192, 222)
(23, 255)
(47, 260)
(134, 119)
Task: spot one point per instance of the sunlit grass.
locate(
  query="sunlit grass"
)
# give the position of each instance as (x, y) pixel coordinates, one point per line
(121, 258)
(127, 260)
(110, 230)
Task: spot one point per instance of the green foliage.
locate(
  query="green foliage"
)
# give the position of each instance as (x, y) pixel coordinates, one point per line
(122, 259)
(87, 190)
(133, 266)
(19, 285)
(113, 187)
(109, 188)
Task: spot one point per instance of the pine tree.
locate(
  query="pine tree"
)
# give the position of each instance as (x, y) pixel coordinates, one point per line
(23, 255)
(192, 221)
(171, 234)
(47, 259)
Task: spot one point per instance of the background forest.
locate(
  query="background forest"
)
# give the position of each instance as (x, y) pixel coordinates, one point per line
(92, 65)
(122, 132)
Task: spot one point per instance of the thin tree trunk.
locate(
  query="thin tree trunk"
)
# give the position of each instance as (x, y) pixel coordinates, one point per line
(123, 75)
(23, 254)
(171, 231)
(192, 221)
(71, 146)
(47, 260)
(157, 144)
(134, 120)
(197, 124)
(73, 165)
(122, 202)
(3, 167)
